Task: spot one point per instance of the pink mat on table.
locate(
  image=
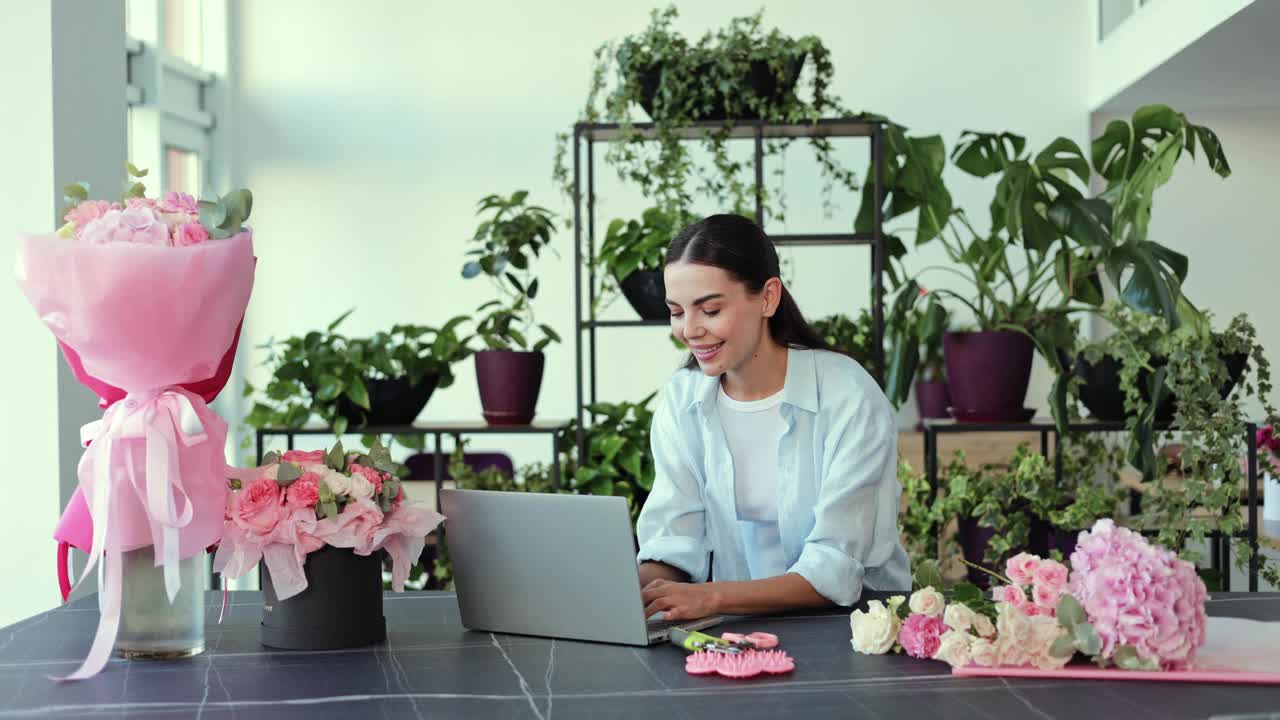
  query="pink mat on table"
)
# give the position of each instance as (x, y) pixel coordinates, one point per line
(1236, 651)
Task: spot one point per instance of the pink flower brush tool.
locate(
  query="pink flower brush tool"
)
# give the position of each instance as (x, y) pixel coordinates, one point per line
(739, 666)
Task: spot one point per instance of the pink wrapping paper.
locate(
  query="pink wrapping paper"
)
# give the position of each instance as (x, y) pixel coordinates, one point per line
(145, 321)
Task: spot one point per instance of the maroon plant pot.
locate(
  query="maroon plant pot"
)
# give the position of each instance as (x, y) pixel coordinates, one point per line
(987, 375)
(974, 538)
(932, 398)
(509, 384)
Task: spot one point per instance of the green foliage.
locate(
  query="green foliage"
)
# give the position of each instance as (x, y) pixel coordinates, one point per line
(692, 82)
(849, 336)
(1012, 497)
(619, 460)
(1050, 244)
(914, 337)
(506, 242)
(1209, 424)
(637, 245)
(311, 373)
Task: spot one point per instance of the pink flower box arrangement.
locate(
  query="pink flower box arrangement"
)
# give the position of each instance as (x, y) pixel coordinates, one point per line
(320, 522)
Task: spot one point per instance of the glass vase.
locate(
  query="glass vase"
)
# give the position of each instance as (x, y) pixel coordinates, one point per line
(152, 628)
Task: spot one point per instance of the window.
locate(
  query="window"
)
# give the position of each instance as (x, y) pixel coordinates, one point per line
(174, 95)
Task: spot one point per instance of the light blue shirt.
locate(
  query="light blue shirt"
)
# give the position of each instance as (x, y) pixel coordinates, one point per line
(838, 490)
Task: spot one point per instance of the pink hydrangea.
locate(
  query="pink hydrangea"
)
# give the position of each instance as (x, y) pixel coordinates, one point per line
(88, 211)
(135, 224)
(304, 492)
(921, 635)
(1139, 595)
(178, 202)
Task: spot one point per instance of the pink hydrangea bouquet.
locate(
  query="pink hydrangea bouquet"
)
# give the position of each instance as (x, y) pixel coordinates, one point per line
(1122, 602)
(147, 314)
(299, 502)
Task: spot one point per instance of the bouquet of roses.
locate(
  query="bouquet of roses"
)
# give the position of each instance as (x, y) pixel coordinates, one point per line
(1123, 601)
(146, 298)
(298, 502)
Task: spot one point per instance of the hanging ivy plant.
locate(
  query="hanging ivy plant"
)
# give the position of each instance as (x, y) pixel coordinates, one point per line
(734, 73)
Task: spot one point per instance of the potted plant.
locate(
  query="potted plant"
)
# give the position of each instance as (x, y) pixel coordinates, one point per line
(348, 382)
(916, 342)
(1067, 244)
(633, 254)
(618, 460)
(737, 72)
(320, 522)
(509, 370)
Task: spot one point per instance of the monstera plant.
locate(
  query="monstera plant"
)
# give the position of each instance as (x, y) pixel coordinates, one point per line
(1052, 245)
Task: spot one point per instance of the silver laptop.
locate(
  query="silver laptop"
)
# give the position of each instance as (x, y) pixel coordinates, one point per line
(561, 566)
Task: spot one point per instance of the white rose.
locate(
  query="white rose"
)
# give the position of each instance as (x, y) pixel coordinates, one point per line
(927, 602)
(874, 631)
(982, 625)
(958, 616)
(1013, 625)
(984, 653)
(1044, 632)
(338, 483)
(360, 486)
(954, 649)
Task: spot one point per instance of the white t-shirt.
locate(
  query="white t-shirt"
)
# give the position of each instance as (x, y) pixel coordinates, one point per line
(753, 430)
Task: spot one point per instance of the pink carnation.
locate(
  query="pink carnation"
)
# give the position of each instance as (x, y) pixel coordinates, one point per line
(187, 234)
(305, 491)
(921, 635)
(1021, 568)
(178, 202)
(373, 476)
(1140, 595)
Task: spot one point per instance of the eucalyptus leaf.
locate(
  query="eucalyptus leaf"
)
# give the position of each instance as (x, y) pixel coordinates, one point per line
(1070, 612)
(928, 574)
(1086, 639)
(286, 473)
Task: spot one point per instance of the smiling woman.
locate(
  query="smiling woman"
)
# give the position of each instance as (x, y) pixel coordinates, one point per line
(774, 454)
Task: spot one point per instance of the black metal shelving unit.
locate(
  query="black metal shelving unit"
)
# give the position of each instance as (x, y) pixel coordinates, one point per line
(1220, 547)
(758, 131)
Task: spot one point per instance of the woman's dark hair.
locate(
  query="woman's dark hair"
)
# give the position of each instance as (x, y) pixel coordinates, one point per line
(738, 246)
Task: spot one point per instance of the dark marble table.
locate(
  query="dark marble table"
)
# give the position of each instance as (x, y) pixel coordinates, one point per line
(432, 668)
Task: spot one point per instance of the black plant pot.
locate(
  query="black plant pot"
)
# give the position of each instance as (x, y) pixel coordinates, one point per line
(1102, 395)
(760, 79)
(341, 607)
(391, 402)
(974, 539)
(647, 293)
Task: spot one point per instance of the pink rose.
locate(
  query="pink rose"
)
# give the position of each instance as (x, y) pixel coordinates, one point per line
(305, 491)
(1052, 575)
(178, 202)
(354, 527)
(137, 224)
(1046, 598)
(1011, 594)
(1021, 568)
(139, 202)
(187, 234)
(88, 211)
(921, 635)
(373, 476)
(304, 457)
(258, 507)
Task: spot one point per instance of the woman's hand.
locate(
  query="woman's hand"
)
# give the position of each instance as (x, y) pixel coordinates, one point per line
(680, 601)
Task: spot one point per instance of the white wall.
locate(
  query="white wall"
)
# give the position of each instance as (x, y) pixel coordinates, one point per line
(1153, 33)
(65, 70)
(1226, 227)
(368, 136)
